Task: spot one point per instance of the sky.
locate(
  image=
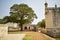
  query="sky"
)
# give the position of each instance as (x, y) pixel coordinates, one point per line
(36, 5)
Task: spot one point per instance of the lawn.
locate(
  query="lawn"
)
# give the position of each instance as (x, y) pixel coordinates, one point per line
(27, 37)
(57, 38)
(33, 36)
(14, 32)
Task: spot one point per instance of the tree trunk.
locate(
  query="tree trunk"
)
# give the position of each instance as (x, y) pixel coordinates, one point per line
(21, 23)
(21, 27)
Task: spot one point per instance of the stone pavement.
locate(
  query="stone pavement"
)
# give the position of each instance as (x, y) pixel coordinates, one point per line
(13, 37)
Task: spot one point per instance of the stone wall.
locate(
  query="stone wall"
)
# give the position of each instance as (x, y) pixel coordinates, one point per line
(3, 30)
(15, 25)
(52, 18)
(54, 32)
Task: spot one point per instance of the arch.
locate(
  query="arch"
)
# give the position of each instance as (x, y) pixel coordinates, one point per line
(29, 28)
(25, 27)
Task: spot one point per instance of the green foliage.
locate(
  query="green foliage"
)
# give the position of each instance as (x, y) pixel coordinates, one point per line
(41, 24)
(6, 19)
(1, 21)
(21, 13)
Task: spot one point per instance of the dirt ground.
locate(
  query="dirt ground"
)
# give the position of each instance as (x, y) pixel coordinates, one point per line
(37, 36)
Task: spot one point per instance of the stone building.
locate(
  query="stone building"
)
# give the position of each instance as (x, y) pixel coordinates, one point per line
(26, 27)
(29, 27)
(52, 18)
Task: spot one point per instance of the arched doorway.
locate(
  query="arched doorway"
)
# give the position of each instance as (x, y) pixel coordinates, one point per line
(25, 28)
(29, 28)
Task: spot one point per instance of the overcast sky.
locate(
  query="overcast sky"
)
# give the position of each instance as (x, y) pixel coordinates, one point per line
(36, 5)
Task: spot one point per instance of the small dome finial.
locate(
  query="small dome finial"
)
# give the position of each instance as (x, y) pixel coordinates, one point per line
(55, 6)
(46, 2)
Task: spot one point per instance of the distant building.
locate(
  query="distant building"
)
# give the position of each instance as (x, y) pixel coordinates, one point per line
(29, 27)
(26, 27)
(52, 18)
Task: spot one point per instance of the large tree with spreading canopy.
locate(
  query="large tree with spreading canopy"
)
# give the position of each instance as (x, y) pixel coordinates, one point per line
(21, 13)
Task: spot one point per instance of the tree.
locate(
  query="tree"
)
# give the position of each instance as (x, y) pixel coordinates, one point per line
(22, 13)
(41, 24)
(1, 21)
(6, 19)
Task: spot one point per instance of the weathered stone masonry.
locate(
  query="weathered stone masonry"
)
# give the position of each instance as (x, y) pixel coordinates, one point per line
(52, 18)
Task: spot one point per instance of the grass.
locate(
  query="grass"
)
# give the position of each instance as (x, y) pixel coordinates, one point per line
(27, 37)
(31, 35)
(57, 38)
(14, 32)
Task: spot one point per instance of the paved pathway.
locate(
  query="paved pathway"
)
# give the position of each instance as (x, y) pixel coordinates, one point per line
(14, 37)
